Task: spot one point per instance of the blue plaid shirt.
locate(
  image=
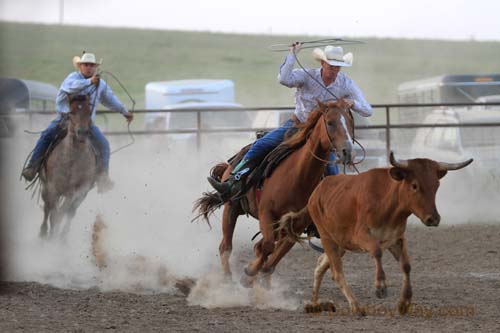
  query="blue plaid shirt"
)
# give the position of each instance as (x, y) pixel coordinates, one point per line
(76, 83)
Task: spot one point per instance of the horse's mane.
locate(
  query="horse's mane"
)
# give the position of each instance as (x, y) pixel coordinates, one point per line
(304, 129)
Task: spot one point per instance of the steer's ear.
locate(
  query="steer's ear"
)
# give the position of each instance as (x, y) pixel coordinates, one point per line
(442, 173)
(397, 173)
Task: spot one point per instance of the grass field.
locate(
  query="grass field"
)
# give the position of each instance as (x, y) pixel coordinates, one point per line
(44, 53)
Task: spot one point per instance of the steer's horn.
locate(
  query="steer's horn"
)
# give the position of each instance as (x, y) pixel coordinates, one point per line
(397, 163)
(454, 166)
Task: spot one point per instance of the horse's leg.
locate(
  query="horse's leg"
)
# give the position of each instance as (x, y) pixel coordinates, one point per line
(229, 217)
(56, 215)
(300, 223)
(46, 211)
(283, 247)
(266, 247)
(246, 280)
(71, 211)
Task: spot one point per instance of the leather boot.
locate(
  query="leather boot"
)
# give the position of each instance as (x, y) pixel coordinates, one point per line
(233, 184)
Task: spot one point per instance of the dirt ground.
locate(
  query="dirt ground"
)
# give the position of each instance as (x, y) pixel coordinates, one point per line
(455, 278)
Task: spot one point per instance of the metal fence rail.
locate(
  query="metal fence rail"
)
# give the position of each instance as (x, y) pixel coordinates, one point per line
(199, 129)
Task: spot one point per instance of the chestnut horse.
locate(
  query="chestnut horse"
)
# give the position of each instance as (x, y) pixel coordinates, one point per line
(70, 170)
(288, 188)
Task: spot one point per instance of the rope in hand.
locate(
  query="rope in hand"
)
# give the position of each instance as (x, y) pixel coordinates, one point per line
(132, 139)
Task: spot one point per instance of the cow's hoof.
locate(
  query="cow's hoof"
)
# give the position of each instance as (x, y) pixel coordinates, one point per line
(312, 308)
(403, 307)
(381, 292)
(359, 311)
(327, 306)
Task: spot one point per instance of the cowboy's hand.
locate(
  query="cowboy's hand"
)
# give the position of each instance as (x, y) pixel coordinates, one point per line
(95, 79)
(129, 116)
(295, 47)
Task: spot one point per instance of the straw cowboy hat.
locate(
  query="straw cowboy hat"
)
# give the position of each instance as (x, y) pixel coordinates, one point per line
(334, 56)
(86, 58)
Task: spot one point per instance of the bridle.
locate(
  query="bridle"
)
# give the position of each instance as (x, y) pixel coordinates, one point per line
(332, 148)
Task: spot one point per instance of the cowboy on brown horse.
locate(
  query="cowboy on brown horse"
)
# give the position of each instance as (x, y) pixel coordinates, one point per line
(324, 128)
(85, 81)
(310, 88)
(71, 169)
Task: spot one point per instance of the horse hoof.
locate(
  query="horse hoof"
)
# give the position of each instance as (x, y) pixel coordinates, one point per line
(248, 273)
(228, 278)
(327, 307)
(381, 292)
(403, 307)
(247, 281)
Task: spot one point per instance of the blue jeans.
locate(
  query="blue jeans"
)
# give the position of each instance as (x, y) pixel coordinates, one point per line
(50, 133)
(46, 138)
(102, 145)
(271, 140)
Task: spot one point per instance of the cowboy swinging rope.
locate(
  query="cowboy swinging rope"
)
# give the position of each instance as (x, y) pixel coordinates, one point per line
(99, 74)
(315, 44)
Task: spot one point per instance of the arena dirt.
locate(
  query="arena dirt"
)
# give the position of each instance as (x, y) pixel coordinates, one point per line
(154, 270)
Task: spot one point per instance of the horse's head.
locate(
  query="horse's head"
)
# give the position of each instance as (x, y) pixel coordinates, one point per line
(79, 117)
(339, 125)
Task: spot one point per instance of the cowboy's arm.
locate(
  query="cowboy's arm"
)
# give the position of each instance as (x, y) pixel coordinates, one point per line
(360, 105)
(75, 83)
(109, 100)
(289, 77)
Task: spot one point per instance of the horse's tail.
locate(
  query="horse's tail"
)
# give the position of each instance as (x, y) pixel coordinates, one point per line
(292, 224)
(210, 201)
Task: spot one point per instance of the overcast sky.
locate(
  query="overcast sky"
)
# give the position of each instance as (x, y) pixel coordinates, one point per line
(441, 19)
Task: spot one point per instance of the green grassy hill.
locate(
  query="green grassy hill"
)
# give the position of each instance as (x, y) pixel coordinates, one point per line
(44, 53)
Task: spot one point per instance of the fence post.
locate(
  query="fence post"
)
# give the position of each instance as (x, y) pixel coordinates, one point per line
(198, 127)
(387, 132)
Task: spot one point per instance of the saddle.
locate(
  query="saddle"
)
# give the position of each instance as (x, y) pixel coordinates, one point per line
(265, 167)
(264, 170)
(62, 131)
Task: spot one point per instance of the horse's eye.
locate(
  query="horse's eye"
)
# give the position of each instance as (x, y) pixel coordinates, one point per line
(330, 123)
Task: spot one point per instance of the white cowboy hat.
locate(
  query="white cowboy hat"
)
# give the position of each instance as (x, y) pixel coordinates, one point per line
(334, 56)
(86, 58)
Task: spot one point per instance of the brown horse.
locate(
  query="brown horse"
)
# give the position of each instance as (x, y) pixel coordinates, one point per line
(70, 170)
(288, 188)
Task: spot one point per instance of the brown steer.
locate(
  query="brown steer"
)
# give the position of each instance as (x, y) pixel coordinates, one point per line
(368, 212)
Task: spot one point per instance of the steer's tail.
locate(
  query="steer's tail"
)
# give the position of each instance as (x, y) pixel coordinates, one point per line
(293, 224)
(210, 201)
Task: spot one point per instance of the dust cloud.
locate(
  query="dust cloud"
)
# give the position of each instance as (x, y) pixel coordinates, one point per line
(149, 243)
